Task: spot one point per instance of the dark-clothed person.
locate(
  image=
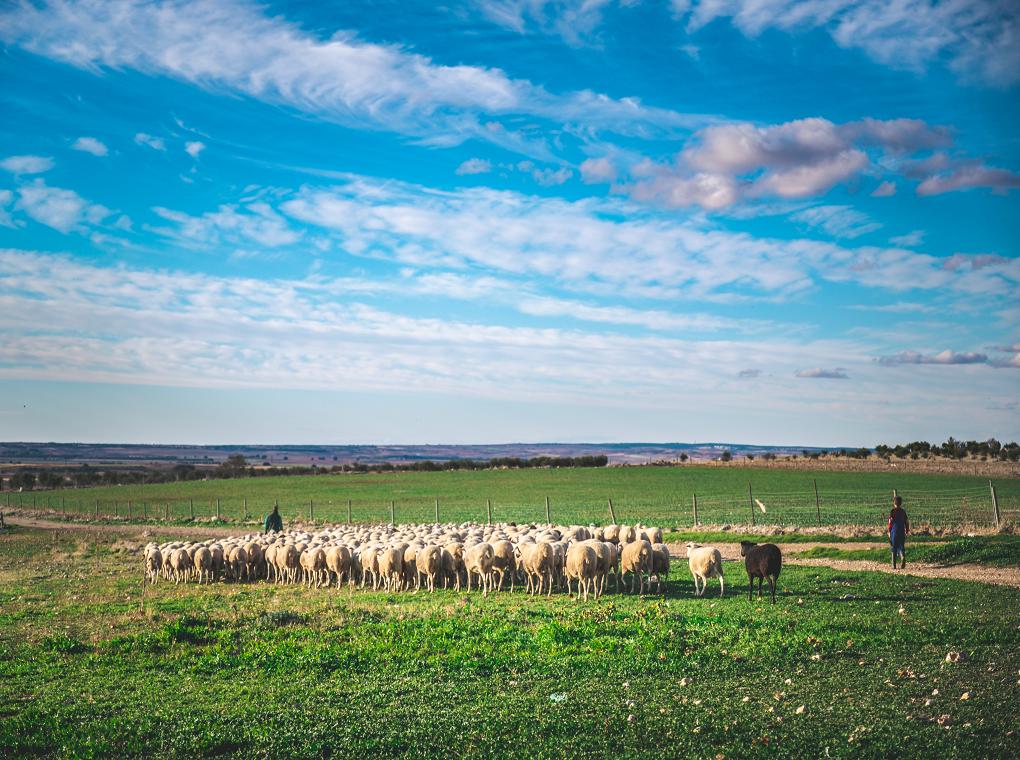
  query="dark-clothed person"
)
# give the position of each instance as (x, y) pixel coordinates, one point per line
(274, 523)
(899, 529)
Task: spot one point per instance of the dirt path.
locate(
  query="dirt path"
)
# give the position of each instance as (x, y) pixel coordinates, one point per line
(1001, 576)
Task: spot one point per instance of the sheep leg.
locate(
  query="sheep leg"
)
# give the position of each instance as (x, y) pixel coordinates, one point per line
(722, 585)
(772, 588)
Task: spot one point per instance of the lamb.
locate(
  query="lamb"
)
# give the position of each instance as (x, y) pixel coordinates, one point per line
(636, 559)
(391, 568)
(428, 562)
(537, 563)
(478, 560)
(203, 562)
(153, 563)
(504, 562)
(705, 562)
(338, 562)
(660, 565)
(313, 563)
(582, 562)
(180, 565)
(763, 561)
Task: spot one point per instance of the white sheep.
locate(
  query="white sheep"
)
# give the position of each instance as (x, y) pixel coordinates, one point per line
(705, 562)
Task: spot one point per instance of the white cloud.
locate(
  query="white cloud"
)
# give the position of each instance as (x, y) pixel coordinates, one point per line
(6, 197)
(573, 20)
(977, 38)
(234, 46)
(725, 163)
(90, 145)
(27, 164)
(749, 374)
(610, 246)
(156, 143)
(61, 209)
(254, 223)
(475, 166)
(817, 373)
(968, 176)
(943, 357)
(910, 240)
(194, 147)
(598, 170)
(552, 177)
(886, 189)
(838, 221)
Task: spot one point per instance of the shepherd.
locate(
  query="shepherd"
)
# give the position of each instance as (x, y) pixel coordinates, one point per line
(274, 523)
(899, 529)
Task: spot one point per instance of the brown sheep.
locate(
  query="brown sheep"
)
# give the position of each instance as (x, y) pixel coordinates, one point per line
(763, 561)
(391, 568)
(537, 563)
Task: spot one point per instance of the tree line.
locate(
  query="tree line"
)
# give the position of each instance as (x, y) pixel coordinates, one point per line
(236, 466)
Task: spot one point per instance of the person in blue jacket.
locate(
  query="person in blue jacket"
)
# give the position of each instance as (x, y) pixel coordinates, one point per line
(899, 529)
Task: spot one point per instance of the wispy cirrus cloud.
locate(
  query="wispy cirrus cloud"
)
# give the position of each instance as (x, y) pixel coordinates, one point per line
(341, 78)
(63, 210)
(977, 39)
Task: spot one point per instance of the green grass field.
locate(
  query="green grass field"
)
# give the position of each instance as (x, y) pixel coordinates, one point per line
(654, 495)
(259, 671)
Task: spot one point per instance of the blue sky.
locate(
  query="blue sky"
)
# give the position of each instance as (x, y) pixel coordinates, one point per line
(510, 220)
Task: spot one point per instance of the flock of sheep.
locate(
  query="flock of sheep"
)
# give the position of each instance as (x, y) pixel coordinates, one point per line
(401, 557)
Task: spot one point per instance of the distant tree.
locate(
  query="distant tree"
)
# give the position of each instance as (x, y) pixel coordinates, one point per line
(727, 456)
(750, 457)
(684, 457)
(23, 480)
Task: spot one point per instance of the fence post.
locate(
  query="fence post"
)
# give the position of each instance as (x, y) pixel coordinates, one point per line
(612, 512)
(697, 522)
(191, 506)
(750, 500)
(548, 517)
(437, 510)
(818, 504)
(97, 509)
(145, 511)
(217, 509)
(244, 505)
(995, 504)
(488, 511)
(349, 521)
(129, 509)
(311, 509)
(393, 510)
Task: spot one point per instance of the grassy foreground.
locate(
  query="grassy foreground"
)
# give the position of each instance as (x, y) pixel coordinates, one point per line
(996, 551)
(858, 669)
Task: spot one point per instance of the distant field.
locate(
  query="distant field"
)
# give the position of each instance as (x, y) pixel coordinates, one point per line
(844, 665)
(661, 495)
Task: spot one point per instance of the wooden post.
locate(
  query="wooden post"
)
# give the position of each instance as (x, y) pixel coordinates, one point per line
(63, 505)
(548, 516)
(697, 522)
(145, 511)
(311, 509)
(191, 506)
(995, 505)
(244, 506)
(750, 500)
(612, 512)
(392, 511)
(818, 504)
(97, 509)
(129, 509)
(488, 511)
(437, 511)
(217, 509)
(349, 521)
(169, 511)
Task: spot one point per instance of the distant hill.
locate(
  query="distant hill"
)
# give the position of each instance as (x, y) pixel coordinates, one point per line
(141, 454)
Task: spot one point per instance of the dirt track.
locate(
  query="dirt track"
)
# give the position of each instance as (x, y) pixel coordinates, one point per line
(1000, 576)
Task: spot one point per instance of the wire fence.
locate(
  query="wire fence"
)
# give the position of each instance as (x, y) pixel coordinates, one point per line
(979, 506)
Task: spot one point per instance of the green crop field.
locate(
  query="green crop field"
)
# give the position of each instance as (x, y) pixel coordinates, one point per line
(654, 495)
(845, 665)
